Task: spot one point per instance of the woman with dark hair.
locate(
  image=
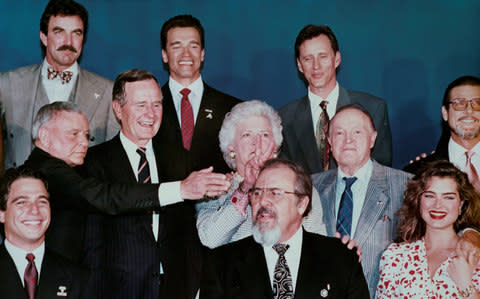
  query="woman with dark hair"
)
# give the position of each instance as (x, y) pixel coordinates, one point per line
(439, 202)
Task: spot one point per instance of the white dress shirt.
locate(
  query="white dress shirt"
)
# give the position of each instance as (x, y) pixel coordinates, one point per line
(195, 96)
(292, 255)
(456, 155)
(19, 257)
(359, 191)
(56, 91)
(315, 101)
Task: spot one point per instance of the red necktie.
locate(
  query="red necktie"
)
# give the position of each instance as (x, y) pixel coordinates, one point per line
(471, 171)
(186, 112)
(30, 277)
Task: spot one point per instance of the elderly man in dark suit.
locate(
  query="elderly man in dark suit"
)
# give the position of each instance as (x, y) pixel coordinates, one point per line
(29, 270)
(60, 132)
(305, 121)
(147, 255)
(193, 112)
(281, 260)
(63, 27)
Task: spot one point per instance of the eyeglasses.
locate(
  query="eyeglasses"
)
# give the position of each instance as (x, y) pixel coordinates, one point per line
(273, 193)
(461, 104)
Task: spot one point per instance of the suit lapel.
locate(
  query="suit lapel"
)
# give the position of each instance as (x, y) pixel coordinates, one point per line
(253, 268)
(10, 283)
(376, 200)
(170, 119)
(205, 115)
(39, 95)
(305, 134)
(343, 98)
(327, 194)
(87, 92)
(52, 279)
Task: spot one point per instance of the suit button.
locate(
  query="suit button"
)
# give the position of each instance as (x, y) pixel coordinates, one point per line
(14, 164)
(92, 138)
(11, 135)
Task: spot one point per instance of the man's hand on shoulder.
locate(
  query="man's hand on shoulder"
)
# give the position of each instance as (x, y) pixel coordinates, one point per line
(351, 244)
(204, 183)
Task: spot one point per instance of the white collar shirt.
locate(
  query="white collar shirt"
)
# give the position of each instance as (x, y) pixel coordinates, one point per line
(292, 255)
(359, 191)
(315, 101)
(195, 96)
(19, 257)
(456, 155)
(56, 91)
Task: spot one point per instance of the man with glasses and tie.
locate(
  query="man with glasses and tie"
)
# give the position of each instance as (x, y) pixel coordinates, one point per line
(460, 140)
(305, 121)
(281, 260)
(361, 196)
(63, 30)
(29, 270)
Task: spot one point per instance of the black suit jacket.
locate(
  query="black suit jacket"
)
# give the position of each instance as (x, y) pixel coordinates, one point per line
(56, 272)
(72, 196)
(132, 256)
(239, 270)
(178, 163)
(441, 153)
(299, 143)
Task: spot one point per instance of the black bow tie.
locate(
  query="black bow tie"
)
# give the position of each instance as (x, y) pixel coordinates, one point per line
(66, 76)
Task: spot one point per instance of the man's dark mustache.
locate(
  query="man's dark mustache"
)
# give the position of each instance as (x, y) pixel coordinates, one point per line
(67, 47)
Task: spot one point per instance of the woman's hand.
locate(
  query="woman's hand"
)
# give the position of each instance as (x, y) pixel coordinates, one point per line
(263, 152)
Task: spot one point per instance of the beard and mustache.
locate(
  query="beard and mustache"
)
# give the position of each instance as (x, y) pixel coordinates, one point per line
(266, 233)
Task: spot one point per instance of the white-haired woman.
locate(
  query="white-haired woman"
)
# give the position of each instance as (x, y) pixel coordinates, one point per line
(251, 134)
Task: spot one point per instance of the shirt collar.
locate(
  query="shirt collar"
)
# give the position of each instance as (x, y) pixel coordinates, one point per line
(332, 99)
(457, 152)
(19, 255)
(196, 88)
(295, 241)
(131, 147)
(363, 174)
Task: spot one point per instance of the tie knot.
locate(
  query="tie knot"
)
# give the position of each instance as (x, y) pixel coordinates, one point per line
(281, 248)
(141, 151)
(30, 257)
(469, 154)
(65, 76)
(323, 105)
(185, 92)
(349, 181)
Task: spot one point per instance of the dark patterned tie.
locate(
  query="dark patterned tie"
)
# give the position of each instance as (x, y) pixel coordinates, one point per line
(143, 169)
(321, 136)
(65, 76)
(344, 220)
(282, 279)
(186, 112)
(30, 276)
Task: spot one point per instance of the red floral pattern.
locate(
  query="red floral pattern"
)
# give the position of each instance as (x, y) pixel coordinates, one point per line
(404, 274)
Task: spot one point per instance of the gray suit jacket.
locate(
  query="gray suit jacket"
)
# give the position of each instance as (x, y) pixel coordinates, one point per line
(22, 94)
(377, 225)
(299, 143)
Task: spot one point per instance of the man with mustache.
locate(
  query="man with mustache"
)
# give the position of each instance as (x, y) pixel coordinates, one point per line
(282, 260)
(460, 141)
(63, 28)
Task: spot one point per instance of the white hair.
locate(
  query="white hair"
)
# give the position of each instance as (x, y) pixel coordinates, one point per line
(241, 112)
(48, 112)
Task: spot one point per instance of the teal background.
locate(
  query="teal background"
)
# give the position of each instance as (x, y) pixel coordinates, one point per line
(404, 51)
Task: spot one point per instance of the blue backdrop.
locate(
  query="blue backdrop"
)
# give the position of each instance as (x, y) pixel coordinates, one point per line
(404, 51)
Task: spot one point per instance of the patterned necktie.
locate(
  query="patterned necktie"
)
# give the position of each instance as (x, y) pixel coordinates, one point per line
(186, 112)
(282, 279)
(344, 220)
(471, 171)
(30, 276)
(321, 136)
(66, 76)
(143, 169)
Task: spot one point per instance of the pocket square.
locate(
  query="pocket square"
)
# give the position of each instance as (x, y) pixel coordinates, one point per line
(386, 218)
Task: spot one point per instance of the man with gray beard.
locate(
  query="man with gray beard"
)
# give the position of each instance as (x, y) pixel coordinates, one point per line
(460, 141)
(282, 260)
